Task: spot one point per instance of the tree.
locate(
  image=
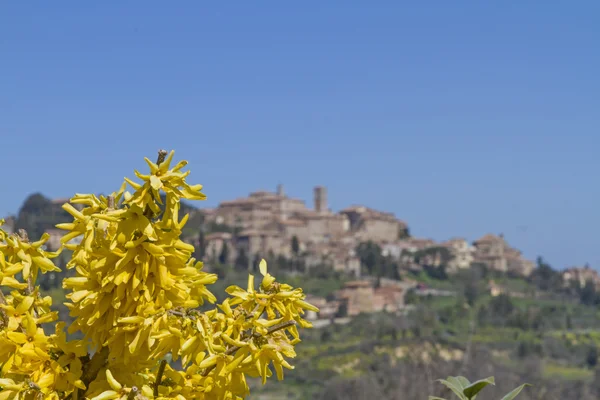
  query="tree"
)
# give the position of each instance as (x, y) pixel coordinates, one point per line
(545, 277)
(135, 295)
(592, 357)
(224, 256)
(471, 293)
(295, 246)
(256, 262)
(242, 260)
(411, 297)
(403, 232)
(295, 252)
(568, 322)
(38, 214)
(587, 294)
(501, 305)
(201, 248)
(369, 254)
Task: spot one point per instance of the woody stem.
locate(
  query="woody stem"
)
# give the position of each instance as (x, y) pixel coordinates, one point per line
(159, 375)
(162, 154)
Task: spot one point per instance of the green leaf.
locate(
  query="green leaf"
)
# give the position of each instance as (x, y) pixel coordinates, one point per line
(459, 381)
(452, 384)
(435, 398)
(464, 381)
(515, 392)
(475, 387)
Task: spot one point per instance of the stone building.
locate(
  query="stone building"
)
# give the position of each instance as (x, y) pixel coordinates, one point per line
(495, 252)
(53, 243)
(516, 263)
(490, 251)
(368, 224)
(462, 253)
(338, 255)
(214, 243)
(362, 297)
(327, 309)
(581, 275)
(404, 251)
(257, 210)
(267, 222)
(262, 242)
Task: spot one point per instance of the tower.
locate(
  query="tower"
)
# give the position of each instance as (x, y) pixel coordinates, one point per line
(320, 199)
(280, 191)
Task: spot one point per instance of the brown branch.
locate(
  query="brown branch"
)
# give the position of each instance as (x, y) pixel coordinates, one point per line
(91, 369)
(159, 375)
(23, 235)
(2, 311)
(30, 286)
(278, 327)
(162, 154)
(132, 393)
(232, 350)
(177, 313)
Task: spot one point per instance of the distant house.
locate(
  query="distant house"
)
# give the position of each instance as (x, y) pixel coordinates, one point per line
(581, 275)
(490, 251)
(496, 290)
(215, 242)
(463, 253)
(362, 297)
(494, 251)
(53, 244)
(327, 309)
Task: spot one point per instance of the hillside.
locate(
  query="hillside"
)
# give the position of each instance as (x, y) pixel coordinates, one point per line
(422, 320)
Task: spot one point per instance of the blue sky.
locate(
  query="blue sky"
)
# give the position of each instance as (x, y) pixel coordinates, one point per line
(462, 118)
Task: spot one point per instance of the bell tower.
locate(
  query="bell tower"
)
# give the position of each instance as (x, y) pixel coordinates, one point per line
(320, 199)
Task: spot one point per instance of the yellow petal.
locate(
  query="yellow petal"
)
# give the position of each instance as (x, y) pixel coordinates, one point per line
(155, 182)
(114, 385)
(107, 395)
(25, 304)
(250, 283)
(263, 267)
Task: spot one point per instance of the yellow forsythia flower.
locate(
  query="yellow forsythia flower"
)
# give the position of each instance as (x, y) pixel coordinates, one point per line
(134, 297)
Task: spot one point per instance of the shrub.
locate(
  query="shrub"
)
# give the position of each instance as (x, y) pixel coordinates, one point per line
(135, 296)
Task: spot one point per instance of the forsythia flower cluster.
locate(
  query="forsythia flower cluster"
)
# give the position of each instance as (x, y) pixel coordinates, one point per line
(135, 297)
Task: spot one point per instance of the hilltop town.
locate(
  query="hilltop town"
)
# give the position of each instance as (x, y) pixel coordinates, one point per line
(268, 222)
(274, 225)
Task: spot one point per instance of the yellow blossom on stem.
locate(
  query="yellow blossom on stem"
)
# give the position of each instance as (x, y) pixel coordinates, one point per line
(134, 297)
